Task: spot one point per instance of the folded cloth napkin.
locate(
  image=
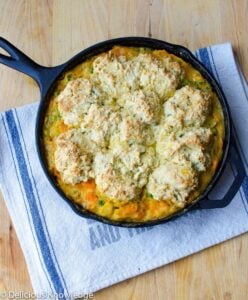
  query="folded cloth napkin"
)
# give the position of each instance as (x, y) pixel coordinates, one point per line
(67, 255)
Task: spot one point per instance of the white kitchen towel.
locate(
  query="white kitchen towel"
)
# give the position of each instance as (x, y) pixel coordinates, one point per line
(68, 255)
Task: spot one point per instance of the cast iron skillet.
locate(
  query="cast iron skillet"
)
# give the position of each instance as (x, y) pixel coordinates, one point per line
(46, 78)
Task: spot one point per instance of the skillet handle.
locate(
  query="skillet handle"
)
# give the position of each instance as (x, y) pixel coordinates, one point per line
(19, 61)
(235, 160)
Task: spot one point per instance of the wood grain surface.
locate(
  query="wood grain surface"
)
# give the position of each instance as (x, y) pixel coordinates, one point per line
(51, 32)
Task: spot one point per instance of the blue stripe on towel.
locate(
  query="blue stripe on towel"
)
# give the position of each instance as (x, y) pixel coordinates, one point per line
(38, 198)
(213, 66)
(47, 257)
(28, 215)
(204, 57)
(242, 79)
(245, 185)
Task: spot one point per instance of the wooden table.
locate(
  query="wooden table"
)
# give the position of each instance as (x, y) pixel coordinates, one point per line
(51, 32)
